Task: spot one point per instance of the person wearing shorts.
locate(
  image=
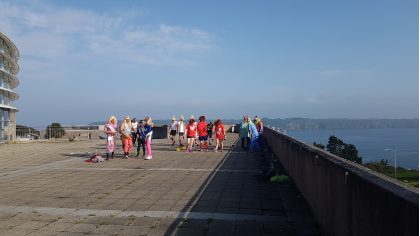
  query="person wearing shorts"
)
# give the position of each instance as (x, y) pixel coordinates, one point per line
(202, 132)
(172, 130)
(191, 132)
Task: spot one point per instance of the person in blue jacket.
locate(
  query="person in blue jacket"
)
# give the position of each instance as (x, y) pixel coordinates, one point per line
(141, 139)
(255, 146)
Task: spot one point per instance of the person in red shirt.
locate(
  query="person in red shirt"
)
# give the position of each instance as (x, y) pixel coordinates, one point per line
(202, 132)
(220, 134)
(191, 132)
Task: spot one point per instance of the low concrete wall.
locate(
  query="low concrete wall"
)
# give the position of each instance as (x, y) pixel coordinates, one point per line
(346, 198)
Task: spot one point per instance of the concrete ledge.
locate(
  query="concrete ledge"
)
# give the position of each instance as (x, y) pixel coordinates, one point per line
(347, 198)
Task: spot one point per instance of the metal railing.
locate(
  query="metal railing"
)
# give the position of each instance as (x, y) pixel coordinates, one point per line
(71, 132)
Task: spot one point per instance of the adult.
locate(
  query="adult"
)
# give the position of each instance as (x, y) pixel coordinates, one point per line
(219, 129)
(127, 139)
(134, 125)
(210, 127)
(148, 131)
(255, 146)
(202, 132)
(258, 123)
(141, 139)
(173, 127)
(111, 131)
(181, 130)
(244, 133)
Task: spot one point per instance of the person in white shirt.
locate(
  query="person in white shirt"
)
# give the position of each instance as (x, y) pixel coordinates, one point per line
(181, 130)
(134, 125)
(173, 127)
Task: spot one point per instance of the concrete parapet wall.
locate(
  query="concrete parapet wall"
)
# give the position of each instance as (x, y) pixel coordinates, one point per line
(346, 198)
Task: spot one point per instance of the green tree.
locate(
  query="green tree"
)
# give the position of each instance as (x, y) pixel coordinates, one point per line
(319, 145)
(348, 151)
(55, 130)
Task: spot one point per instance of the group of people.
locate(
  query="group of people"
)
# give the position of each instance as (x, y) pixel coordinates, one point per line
(131, 131)
(198, 133)
(250, 134)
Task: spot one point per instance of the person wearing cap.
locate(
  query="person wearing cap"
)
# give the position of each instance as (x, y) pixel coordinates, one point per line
(173, 127)
(125, 129)
(181, 130)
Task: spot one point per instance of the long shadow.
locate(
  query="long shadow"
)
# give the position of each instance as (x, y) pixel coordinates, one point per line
(238, 199)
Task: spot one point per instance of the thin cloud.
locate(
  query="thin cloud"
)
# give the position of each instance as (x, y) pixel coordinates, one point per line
(53, 34)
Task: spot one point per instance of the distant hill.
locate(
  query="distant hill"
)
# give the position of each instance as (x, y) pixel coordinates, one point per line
(304, 123)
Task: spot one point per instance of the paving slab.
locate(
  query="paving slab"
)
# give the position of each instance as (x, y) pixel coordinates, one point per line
(48, 189)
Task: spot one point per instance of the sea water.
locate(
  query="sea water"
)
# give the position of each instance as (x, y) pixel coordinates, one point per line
(371, 143)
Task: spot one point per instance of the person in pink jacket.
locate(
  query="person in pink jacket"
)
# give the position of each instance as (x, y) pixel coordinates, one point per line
(111, 131)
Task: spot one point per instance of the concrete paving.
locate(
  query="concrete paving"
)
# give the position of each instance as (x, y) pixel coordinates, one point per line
(47, 189)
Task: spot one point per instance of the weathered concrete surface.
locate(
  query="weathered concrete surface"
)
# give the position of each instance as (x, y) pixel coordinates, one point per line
(346, 198)
(48, 189)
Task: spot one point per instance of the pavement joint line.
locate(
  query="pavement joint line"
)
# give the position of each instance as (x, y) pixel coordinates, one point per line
(153, 169)
(154, 214)
(35, 169)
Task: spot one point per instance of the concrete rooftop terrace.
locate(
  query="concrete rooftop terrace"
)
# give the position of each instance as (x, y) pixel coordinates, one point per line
(48, 189)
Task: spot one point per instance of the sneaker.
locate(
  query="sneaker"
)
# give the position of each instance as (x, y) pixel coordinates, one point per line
(147, 158)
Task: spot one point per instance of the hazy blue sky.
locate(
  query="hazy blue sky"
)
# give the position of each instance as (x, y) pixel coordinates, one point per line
(82, 61)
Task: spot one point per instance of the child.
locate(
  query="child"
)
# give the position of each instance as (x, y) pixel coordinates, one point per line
(191, 132)
(220, 134)
(202, 132)
(148, 133)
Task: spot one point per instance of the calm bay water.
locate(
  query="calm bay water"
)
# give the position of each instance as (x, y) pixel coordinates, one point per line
(371, 143)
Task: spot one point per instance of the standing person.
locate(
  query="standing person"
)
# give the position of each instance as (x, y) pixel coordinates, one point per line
(134, 125)
(195, 143)
(191, 132)
(220, 134)
(111, 131)
(141, 139)
(255, 146)
(210, 131)
(202, 133)
(244, 133)
(181, 130)
(148, 130)
(260, 129)
(173, 127)
(127, 139)
(258, 123)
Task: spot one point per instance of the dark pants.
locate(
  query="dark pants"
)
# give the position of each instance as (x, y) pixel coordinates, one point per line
(245, 143)
(134, 137)
(142, 143)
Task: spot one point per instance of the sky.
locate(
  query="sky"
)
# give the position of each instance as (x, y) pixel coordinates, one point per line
(82, 61)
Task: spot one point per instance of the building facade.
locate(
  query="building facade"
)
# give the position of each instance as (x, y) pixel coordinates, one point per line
(9, 68)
